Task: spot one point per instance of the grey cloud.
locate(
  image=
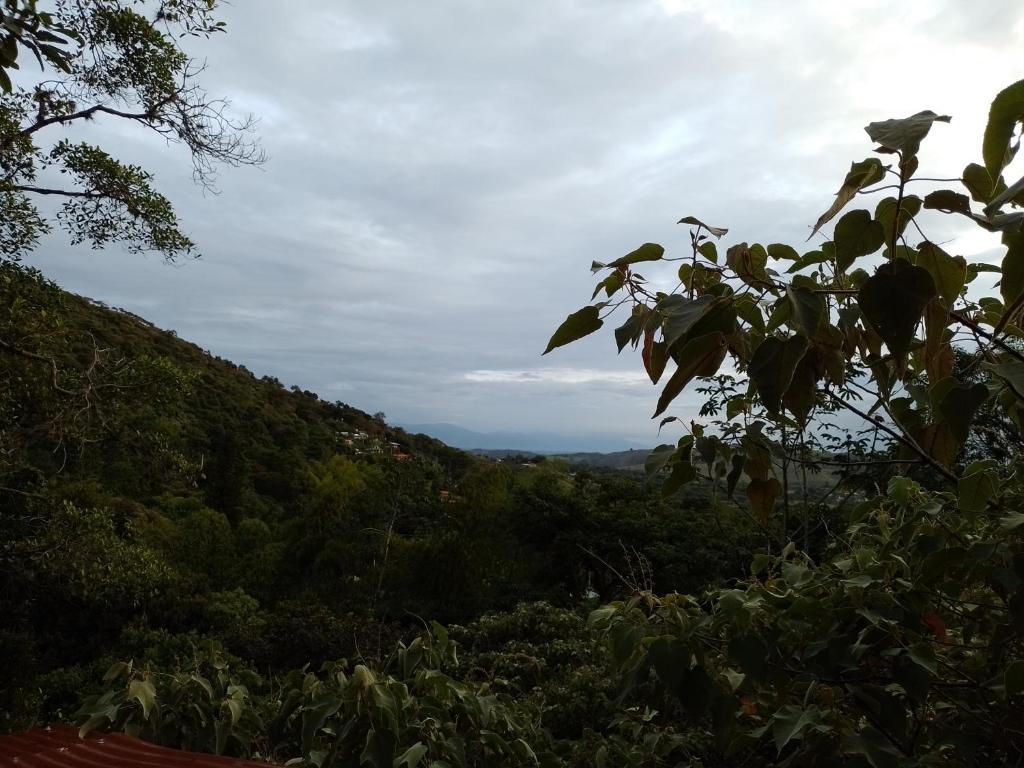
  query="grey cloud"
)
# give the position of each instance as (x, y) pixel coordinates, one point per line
(442, 174)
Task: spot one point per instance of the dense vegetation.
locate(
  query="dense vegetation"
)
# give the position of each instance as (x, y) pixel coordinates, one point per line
(193, 502)
(211, 561)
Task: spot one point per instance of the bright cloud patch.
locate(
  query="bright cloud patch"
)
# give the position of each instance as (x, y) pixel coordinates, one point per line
(556, 376)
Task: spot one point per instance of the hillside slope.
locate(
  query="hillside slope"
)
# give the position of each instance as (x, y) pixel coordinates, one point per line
(155, 495)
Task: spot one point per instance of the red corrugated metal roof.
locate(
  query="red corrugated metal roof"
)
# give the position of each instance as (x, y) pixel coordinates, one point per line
(58, 746)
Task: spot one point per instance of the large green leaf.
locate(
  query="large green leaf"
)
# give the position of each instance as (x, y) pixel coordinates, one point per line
(682, 473)
(856, 234)
(700, 357)
(959, 406)
(762, 495)
(806, 310)
(657, 458)
(976, 488)
(629, 332)
(1012, 284)
(680, 314)
(862, 174)
(576, 326)
(1012, 373)
(802, 393)
(790, 722)
(646, 252)
(948, 272)
(411, 757)
(893, 301)
(1006, 111)
(904, 135)
(772, 365)
(980, 184)
(143, 692)
(748, 262)
(885, 214)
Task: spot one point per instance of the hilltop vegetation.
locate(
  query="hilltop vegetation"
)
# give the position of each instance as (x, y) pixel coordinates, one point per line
(190, 499)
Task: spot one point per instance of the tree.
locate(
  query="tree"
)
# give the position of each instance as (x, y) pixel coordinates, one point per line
(106, 60)
(100, 60)
(901, 643)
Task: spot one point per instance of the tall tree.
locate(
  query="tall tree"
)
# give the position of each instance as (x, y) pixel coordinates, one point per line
(109, 60)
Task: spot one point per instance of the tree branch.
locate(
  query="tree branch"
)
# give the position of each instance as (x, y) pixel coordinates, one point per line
(901, 438)
(41, 359)
(85, 114)
(63, 192)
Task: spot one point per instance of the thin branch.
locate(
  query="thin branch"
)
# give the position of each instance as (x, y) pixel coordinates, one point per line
(86, 114)
(62, 192)
(990, 336)
(901, 438)
(40, 359)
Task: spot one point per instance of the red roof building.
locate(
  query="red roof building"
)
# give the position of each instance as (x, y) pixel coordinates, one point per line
(59, 746)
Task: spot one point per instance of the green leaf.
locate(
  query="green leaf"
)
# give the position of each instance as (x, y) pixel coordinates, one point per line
(904, 135)
(948, 201)
(657, 458)
(119, 669)
(746, 307)
(683, 472)
(235, 709)
(923, 655)
(948, 272)
(646, 252)
(411, 757)
(1006, 111)
(1011, 521)
(700, 357)
(1012, 373)
(862, 174)
(885, 214)
(708, 251)
(748, 262)
(655, 357)
(802, 392)
(811, 258)
(143, 692)
(734, 678)
(762, 495)
(772, 366)
(874, 747)
(716, 231)
(856, 234)
(980, 184)
(680, 314)
(629, 332)
(783, 252)
(976, 489)
(959, 405)
(790, 722)
(576, 326)
(1011, 287)
(807, 310)
(893, 301)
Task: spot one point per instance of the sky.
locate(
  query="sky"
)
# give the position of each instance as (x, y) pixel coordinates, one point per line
(441, 175)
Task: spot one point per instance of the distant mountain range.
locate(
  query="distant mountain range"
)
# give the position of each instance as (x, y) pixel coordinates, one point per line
(632, 459)
(545, 443)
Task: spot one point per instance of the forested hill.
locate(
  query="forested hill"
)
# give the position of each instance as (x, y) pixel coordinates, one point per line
(155, 495)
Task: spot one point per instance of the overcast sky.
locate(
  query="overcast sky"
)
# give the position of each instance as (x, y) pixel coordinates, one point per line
(441, 175)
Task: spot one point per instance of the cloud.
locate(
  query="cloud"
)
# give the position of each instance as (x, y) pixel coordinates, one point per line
(441, 176)
(557, 376)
